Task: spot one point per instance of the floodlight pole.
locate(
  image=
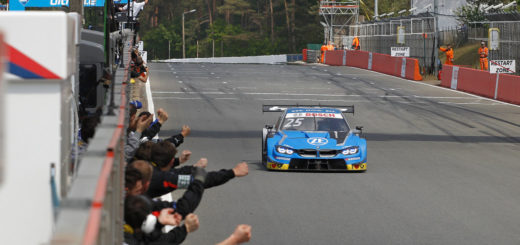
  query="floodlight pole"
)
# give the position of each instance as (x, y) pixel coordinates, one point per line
(436, 40)
(183, 41)
(376, 12)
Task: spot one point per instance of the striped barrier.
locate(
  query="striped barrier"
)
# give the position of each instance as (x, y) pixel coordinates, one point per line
(334, 58)
(359, 59)
(396, 66)
(509, 89)
(503, 87)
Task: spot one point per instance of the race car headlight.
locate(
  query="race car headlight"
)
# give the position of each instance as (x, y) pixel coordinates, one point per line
(284, 150)
(350, 150)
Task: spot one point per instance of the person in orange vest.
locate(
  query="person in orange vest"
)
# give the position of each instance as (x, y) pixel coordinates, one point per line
(330, 46)
(483, 52)
(355, 43)
(449, 54)
(323, 49)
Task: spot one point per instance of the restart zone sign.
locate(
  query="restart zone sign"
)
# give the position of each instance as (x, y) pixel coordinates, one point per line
(502, 66)
(400, 51)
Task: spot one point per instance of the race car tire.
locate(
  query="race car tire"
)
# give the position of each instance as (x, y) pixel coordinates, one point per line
(264, 148)
(264, 154)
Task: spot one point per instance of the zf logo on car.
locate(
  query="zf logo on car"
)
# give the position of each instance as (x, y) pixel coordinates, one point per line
(317, 141)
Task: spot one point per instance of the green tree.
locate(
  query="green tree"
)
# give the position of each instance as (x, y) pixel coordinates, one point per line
(471, 11)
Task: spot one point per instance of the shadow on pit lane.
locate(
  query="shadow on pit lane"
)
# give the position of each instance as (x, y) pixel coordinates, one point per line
(369, 136)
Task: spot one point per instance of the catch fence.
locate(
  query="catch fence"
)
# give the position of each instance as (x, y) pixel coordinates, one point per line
(509, 39)
(416, 32)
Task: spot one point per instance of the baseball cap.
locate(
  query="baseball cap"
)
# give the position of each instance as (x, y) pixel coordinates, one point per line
(137, 104)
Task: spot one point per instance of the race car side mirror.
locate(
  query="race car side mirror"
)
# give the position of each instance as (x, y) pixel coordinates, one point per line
(359, 130)
(269, 126)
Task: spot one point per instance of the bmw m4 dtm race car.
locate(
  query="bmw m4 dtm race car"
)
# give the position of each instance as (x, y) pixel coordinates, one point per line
(315, 138)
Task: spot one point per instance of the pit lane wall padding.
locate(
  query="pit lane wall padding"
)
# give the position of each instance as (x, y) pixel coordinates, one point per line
(509, 89)
(334, 57)
(506, 88)
(396, 66)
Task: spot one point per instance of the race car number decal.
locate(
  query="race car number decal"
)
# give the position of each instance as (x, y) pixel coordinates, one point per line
(317, 141)
(308, 114)
(293, 122)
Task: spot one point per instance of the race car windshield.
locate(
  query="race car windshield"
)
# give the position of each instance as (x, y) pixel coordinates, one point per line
(314, 122)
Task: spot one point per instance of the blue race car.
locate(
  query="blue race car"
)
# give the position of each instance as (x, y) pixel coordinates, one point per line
(313, 138)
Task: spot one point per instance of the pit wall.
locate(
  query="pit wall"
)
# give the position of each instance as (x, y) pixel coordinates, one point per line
(502, 87)
(396, 66)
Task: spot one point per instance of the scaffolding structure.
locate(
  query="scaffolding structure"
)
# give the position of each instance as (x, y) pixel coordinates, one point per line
(338, 15)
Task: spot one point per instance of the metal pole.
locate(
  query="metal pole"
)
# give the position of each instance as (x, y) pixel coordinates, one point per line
(183, 44)
(376, 13)
(424, 52)
(169, 49)
(197, 48)
(127, 14)
(111, 106)
(331, 31)
(436, 41)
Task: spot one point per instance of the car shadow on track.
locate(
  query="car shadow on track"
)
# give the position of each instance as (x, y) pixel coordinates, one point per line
(260, 167)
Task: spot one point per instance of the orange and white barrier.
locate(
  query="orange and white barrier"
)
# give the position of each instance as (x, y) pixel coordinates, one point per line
(501, 87)
(396, 66)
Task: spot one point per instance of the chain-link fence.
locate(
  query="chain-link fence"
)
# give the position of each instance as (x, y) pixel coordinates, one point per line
(509, 39)
(416, 32)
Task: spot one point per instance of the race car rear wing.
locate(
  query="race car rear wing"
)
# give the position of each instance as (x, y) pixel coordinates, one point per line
(281, 108)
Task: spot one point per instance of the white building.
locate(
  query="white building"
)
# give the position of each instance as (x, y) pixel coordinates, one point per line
(446, 9)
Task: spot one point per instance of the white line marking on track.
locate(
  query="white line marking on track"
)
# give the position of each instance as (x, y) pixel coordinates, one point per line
(177, 98)
(320, 95)
(246, 87)
(317, 100)
(261, 93)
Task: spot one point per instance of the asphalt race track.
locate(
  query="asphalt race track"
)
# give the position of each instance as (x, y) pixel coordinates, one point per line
(443, 166)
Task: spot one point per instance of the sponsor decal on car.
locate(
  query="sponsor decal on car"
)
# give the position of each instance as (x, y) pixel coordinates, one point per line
(309, 114)
(317, 141)
(352, 158)
(357, 167)
(272, 165)
(283, 158)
